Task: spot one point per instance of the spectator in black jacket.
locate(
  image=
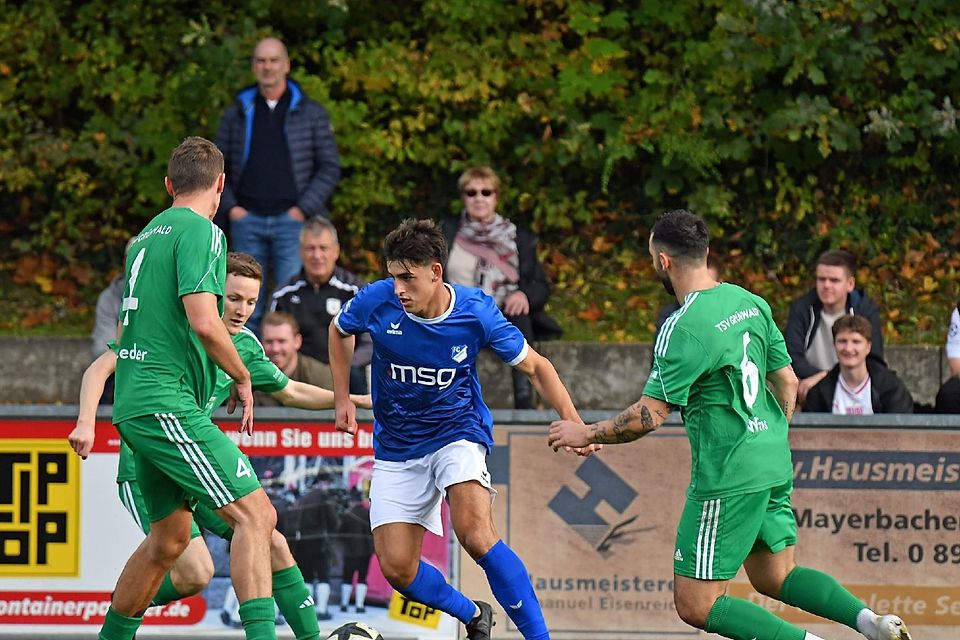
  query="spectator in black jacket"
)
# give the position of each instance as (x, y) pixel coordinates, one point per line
(858, 384)
(809, 335)
(281, 165)
(314, 296)
(491, 252)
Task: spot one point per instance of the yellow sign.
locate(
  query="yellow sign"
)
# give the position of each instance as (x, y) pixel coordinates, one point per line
(39, 508)
(921, 605)
(406, 610)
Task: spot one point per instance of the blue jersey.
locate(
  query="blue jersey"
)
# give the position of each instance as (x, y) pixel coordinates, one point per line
(426, 393)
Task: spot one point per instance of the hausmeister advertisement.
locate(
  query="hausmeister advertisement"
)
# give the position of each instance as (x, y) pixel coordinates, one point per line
(877, 509)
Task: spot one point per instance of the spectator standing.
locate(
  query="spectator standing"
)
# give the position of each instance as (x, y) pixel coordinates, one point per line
(858, 385)
(809, 334)
(357, 540)
(315, 295)
(496, 255)
(948, 397)
(281, 163)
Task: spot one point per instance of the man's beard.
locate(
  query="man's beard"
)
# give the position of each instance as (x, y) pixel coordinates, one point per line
(665, 281)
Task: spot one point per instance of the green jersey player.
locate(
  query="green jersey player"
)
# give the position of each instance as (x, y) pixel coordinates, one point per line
(194, 568)
(170, 324)
(714, 358)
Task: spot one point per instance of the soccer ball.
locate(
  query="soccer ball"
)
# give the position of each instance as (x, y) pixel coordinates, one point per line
(355, 631)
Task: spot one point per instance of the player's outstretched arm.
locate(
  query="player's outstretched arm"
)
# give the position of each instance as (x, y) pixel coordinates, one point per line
(340, 349)
(784, 384)
(204, 318)
(547, 382)
(634, 422)
(307, 396)
(91, 390)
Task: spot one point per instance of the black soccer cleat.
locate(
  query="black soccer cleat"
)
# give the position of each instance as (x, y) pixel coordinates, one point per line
(479, 628)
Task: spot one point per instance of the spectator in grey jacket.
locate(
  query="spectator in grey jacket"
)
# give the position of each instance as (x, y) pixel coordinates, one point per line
(809, 335)
(281, 164)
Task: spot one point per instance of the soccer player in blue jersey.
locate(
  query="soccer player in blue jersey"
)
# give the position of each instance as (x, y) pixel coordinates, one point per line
(432, 430)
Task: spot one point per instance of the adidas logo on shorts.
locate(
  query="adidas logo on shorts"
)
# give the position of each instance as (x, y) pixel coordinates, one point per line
(678, 556)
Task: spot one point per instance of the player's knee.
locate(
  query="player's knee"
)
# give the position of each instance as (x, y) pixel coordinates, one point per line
(768, 585)
(477, 541)
(255, 511)
(193, 575)
(690, 611)
(280, 551)
(400, 573)
(165, 549)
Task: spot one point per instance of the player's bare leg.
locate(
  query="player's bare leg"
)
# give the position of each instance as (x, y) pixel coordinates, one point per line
(472, 514)
(253, 520)
(193, 569)
(145, 569)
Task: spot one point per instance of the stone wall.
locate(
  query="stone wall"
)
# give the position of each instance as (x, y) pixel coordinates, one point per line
(599, 375)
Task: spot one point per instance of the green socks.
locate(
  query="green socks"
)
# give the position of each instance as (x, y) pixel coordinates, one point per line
(117, 626)
(166, 593)
(820, 594)
(296, 603)
(258, 620)
(743, 620)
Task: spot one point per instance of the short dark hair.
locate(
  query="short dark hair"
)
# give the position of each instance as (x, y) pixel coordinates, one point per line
(194, 165)
(839, 258)
(279, 318)
(850, 322)
(244, 264)
(415, 242)
(682, 235)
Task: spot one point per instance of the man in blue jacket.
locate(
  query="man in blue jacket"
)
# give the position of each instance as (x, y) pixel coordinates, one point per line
(281, 164)
(809, 334)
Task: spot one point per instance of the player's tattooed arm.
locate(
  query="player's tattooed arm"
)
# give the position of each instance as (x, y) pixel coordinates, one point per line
(632, 423)
(784, 384)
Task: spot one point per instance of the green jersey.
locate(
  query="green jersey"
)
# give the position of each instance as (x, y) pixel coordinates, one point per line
(711, 359)
(178, 253)
(265, 376)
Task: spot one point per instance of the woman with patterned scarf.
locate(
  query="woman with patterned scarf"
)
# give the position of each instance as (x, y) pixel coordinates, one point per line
(490, 252)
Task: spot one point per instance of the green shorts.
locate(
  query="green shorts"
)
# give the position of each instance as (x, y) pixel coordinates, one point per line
(185, 458)
(132, 500)
(715, 536)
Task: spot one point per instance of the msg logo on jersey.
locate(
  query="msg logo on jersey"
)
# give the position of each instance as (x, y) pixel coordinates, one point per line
(39, 508)
(426, 376)
(459, 353)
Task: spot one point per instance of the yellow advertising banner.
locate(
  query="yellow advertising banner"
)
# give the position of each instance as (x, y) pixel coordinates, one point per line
(877, 509)
(39, 508)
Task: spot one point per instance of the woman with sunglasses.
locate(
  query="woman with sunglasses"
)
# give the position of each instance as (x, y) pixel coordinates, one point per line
(490, 252)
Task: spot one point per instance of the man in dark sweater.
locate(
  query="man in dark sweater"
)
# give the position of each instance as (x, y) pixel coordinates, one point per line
(281, 164)
(809, 334)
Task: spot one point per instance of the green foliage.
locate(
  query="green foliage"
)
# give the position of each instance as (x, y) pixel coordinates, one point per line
(791, 126)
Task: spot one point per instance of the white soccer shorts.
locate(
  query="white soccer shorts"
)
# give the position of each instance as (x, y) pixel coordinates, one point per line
(411, 490)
